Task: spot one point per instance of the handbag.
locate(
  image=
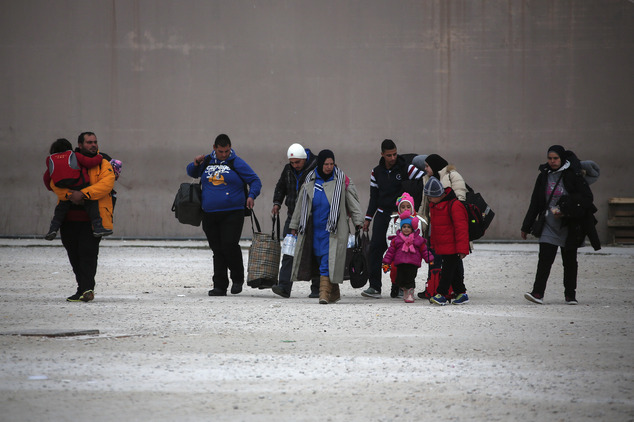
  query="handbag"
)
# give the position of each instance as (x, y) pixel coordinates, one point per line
(264, 255)
(187, 206)
(358, 267)
(538, 225)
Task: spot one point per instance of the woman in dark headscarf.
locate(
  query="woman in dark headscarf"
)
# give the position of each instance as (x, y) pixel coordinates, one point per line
(564, 195)
(320, 219)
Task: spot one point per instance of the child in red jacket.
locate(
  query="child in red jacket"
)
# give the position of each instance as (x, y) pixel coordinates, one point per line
(407, 250)
(449, 237)
(63, 167)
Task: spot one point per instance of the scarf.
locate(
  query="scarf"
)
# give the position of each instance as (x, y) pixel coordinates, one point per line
(408, 243)
(333, 214)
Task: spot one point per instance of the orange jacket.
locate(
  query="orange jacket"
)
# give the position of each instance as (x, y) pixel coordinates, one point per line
(101, 184)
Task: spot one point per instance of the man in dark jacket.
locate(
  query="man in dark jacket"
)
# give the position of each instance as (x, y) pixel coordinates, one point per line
(300, 162)
(386, 186)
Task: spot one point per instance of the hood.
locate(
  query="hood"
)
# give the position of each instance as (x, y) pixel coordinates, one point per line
(214, 160)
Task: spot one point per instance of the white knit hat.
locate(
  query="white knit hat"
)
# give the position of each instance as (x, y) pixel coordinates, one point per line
(296, 151)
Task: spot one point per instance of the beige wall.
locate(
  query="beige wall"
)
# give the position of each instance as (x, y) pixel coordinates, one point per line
(489, 85)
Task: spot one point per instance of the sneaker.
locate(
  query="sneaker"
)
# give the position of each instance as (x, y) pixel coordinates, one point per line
(74, 298)
(571, 301)
(101, 232)
(439, 300)
(461, 299)
(51, 235)
(87, 296)
(400, 293)
(313, 295)
(394, 291)
(281, 292)
(217, 292)
(409, 296)
(532, 298)
(371, 292)
(236, 288)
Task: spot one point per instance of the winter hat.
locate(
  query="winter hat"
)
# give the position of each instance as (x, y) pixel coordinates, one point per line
(433, 188)
(407, 219)
(321, 159)
(419, 161)
(406, 197)
(296, 151)
(436, 163)
(559, 150)
(116, 167)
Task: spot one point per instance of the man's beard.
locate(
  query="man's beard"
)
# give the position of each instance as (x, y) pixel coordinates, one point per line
(87, 153)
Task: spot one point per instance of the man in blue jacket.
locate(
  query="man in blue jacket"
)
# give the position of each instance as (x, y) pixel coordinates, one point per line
(224, 175)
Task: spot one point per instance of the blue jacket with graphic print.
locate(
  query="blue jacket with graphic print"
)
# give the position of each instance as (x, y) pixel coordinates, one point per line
(223, 182)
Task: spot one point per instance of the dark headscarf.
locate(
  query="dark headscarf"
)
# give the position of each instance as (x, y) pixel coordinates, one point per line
(321, 159)
(436, 163)
(560, 151)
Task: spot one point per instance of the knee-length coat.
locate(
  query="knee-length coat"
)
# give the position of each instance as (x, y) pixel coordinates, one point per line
(338, 242)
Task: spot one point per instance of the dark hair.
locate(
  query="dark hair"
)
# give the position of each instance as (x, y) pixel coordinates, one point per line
(80, 138)
(387, 144)
(222, 140)
(61, 145)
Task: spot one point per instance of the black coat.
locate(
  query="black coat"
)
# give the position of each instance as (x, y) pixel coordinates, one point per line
(290, 182)
(577, 206)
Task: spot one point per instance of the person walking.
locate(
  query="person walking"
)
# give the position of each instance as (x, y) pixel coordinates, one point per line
(406, 252)
(301, 161)
(223, 176)
(449, 238)
(76, 230)
(386, 184)
(320, 221)
(436, 166)
(562, 194)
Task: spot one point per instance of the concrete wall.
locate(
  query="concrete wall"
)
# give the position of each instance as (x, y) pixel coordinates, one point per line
(489, 85)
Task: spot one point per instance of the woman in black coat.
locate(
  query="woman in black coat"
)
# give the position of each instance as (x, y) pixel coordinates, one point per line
(568, 220)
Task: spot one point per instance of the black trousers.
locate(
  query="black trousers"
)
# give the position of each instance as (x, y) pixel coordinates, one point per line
(547, 254)
(378, 246)
(83, 250)
(406, 276)
(62, 208)
(223, 230)
(452, 274)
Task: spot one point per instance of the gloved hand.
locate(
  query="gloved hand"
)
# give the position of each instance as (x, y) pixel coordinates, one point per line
(387, 268)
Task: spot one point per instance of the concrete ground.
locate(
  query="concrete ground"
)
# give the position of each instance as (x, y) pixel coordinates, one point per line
(165, 351)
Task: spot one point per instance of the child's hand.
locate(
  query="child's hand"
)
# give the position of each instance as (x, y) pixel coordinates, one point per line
(387, 268)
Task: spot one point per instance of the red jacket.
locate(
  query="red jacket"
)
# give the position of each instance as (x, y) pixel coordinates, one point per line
(449, 230)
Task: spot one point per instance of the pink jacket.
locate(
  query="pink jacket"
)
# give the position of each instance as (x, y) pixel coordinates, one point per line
(410, 249)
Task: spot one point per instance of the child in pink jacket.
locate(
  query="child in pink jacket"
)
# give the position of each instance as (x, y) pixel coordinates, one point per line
(407, 250)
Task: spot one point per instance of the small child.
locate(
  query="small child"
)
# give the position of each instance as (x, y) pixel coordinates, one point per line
(404, 203)
(407, 250)
(449, 237)
(61, 161)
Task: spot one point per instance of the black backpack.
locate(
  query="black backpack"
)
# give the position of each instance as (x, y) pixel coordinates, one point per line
(479, 214)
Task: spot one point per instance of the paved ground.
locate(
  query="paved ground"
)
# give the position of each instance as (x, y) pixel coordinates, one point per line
(166, 351)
